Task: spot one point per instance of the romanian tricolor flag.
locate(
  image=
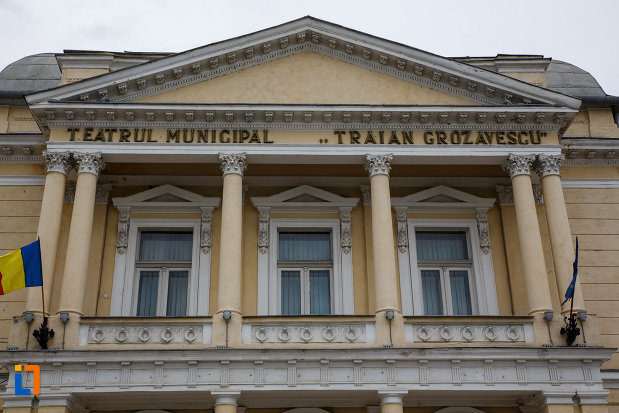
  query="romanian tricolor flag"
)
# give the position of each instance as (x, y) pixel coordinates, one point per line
(21, 268)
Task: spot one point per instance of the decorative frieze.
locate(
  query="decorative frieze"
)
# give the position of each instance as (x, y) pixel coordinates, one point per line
(291, 333)
(548, 164)
(144, 334)
(511, 370)
(102, 194)
(124, 213)
(366, 195)
(233, 163)
(263, 229)
(345, 230)
(206, 229)
(518, 164)
(505, 194)
(400, 213)
(482, 226)
(468, 333)
(378, 164)
(89, 162)
(57, 162)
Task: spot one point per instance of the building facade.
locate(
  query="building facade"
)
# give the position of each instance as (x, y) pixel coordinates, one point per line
(310, 219)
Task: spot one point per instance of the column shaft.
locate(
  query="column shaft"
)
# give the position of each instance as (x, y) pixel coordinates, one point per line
(78, 245)
(533, 263)
(383, 246)
(559, 228)
(230, 252)
(48, 232)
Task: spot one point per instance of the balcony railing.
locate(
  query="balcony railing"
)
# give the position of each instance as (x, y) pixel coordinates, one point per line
(187, 331)
(473, 330)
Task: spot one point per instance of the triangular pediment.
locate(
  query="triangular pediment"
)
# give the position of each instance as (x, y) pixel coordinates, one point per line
(165, 198)
(305, 198)
(442, 199)
(298, 36)
(284, 76)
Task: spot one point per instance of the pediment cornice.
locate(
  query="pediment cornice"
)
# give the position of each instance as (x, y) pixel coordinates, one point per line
(305, 34)
(301, 117)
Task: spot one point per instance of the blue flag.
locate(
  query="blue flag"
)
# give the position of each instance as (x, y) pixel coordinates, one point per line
(569, 294)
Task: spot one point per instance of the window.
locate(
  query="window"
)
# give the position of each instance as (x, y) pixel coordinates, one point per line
(444, 264)
(163, 266)
(305, 265)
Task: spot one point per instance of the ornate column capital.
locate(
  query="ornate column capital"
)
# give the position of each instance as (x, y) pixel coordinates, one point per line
(548, 164)
(518, 164)
(233, 163)
(378, 164)
(89, 162)
(57, 162)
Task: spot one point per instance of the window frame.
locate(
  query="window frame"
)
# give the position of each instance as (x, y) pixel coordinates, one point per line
(481, 274)
(304, 225)
(131, 279)
(304, 268)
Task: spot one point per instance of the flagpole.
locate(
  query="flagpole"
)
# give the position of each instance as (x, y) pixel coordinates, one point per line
(42, 290)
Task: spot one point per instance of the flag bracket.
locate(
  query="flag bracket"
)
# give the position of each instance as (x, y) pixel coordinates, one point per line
(571, 329)
(43, 334)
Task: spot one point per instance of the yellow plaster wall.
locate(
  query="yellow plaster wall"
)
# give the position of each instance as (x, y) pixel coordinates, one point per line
(602, 124)
(19, 208)
(594, 218)
(535, 78)
(70, 75)
(4, 119)
(21, 120)
(579, 125)
(307, 77)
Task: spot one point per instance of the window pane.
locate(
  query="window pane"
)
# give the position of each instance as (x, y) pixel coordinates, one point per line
(165, 246)
(441, 246)
(460, 294)
(431, 286)
(291, 293)
(305, 246)
(147, 293)
(177, 293)
(320, 292)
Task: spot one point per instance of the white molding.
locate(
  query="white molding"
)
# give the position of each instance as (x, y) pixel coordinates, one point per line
(483, 294)
(453, 201)
(314, 332)
(22, 180)
(323, 201)
(305, 153)
(590, 183)
(516, 370)
(189, 201)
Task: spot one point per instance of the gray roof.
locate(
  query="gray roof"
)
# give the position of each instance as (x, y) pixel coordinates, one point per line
(29, 74)
(571, 80)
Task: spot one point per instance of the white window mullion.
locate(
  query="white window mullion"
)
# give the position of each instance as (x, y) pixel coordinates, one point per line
(446, 285)
(163, 292)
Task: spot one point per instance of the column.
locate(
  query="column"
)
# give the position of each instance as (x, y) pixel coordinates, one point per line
(58, 165)
(559, 228)
(383, 248)
(534, 267)
(89, 165)
(391, 400)
(233, 166)
(226, 401)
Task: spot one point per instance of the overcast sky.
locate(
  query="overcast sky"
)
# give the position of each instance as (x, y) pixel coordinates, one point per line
(582, 32)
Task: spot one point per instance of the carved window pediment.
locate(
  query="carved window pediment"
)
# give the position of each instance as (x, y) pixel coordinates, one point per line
(442, 199)
(166, 198)
(305, 198)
